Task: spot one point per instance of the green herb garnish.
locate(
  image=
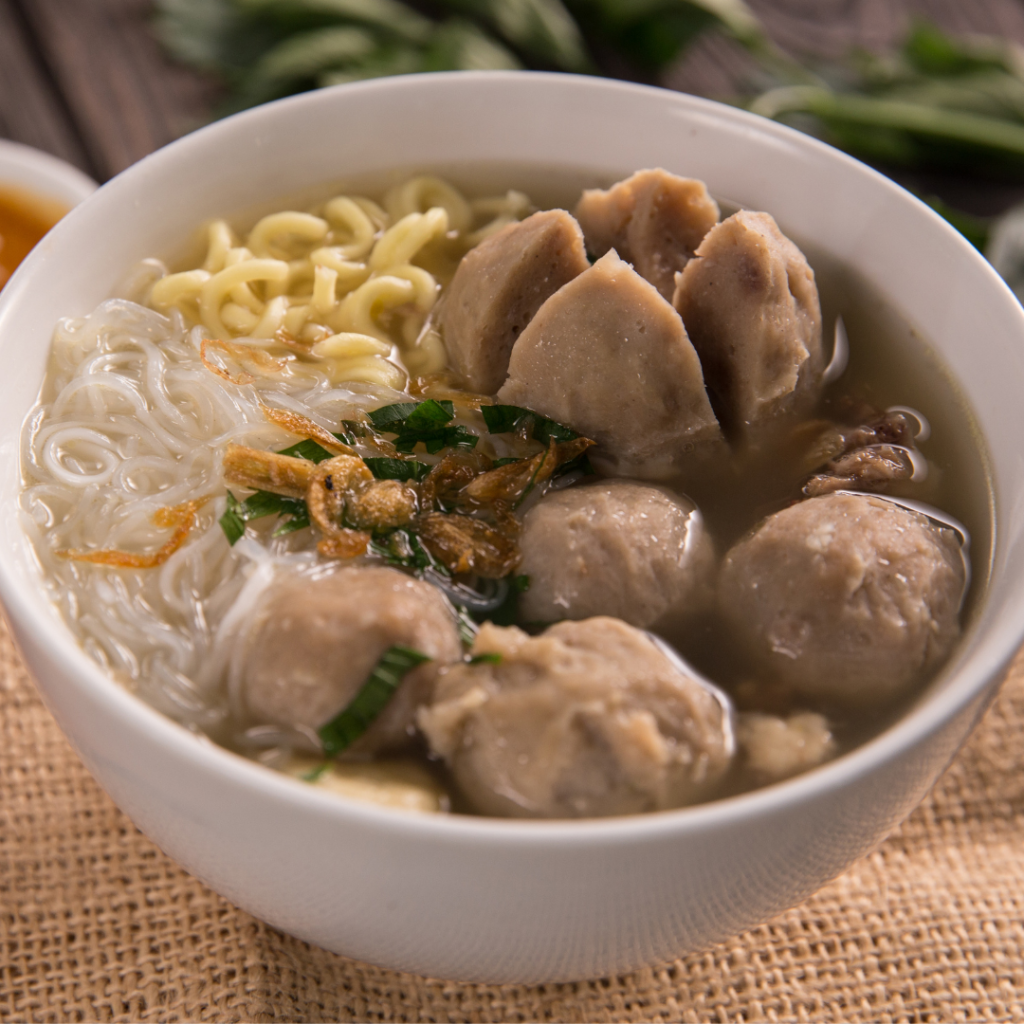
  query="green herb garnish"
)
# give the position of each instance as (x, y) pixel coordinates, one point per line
(373, 696)
(507, 419)
(397, 469)
(308, 450)
(403, 548)
(422, 422)
(258, 505)
(521, 583)
(314, 774)
(510, 419)
(490, 658)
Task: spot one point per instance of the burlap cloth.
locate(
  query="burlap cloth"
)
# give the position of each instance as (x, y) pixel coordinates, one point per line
(97, 924)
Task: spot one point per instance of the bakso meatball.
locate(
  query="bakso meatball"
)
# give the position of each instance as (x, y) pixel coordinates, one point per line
(631, 550)
(750, 305)
(609, 357)
(653, 219)
(589, 719)
(499, 286)
(847, 598)
(316, 639)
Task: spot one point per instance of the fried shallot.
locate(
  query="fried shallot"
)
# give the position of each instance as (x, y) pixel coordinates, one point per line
(302, 426)
(466, 545)
(243, 355)
(179, 517)
(869, 468)
(443, 483)
(511, 483)
(268, 471)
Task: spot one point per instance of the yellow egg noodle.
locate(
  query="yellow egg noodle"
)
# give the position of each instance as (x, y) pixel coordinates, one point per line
(341, 284)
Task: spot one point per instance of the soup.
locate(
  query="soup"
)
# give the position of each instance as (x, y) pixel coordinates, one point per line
(281, 492)
(24, 219)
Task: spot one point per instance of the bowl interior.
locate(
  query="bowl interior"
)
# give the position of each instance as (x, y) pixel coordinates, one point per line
(558, 127)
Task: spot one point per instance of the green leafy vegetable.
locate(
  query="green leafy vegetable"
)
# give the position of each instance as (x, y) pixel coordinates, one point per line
(404, 549)
(507, 419)
(232, 523)
(314, 774)
(397, 469)
(258, 505)
(309, 450)
(373, 696)
(422, 422)
(490, 658)
(391, 418)
(263, 49)
(510, 419)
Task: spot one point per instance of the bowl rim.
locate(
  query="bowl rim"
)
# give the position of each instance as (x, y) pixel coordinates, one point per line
(929, 716)
(52, 177)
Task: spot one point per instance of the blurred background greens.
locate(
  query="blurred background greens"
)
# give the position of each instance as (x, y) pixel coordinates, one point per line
(931, 105)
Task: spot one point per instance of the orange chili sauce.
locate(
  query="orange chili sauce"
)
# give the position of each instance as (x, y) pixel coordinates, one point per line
(24, 218)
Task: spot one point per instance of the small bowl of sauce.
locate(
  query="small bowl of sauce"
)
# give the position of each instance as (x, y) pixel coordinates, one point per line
(36, 190)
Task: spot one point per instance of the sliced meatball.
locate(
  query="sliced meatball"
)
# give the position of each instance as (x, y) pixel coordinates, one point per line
(751, 309)
(590, 719)
(847, 598)
(316, 639)
(498, 288)
(654, 220)
(609, 357)
(631, 550)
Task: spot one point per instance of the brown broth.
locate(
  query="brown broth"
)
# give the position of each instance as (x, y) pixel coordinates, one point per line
(24, 218)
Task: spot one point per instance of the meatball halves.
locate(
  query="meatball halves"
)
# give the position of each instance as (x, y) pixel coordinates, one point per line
(653, 219)
(316, 639)
(590, 719)
(500, 285)
(848, 598)
(631, 550)
(750, 305)
(609, 357)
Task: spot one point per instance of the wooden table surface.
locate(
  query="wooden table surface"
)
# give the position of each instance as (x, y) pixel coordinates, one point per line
(86, 80)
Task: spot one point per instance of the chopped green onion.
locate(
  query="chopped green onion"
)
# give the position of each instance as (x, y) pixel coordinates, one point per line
(313, 775)
(308, 450)
(231, 522)
(506, 419)
(403, 548)
(521, 583)
(489, 658)
(422, 422)
(258, 505)
(397, 469)
(429, 415)
(373, 696)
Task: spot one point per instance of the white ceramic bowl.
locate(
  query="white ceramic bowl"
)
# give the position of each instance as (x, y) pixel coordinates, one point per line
(473, 898)
(34, 171)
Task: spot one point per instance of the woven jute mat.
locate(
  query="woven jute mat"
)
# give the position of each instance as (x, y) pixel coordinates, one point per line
(96, 924)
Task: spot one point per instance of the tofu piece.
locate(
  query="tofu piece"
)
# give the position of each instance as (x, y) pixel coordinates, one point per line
(654, 220)
(750, 305)
(499, 286)
(609, 357)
